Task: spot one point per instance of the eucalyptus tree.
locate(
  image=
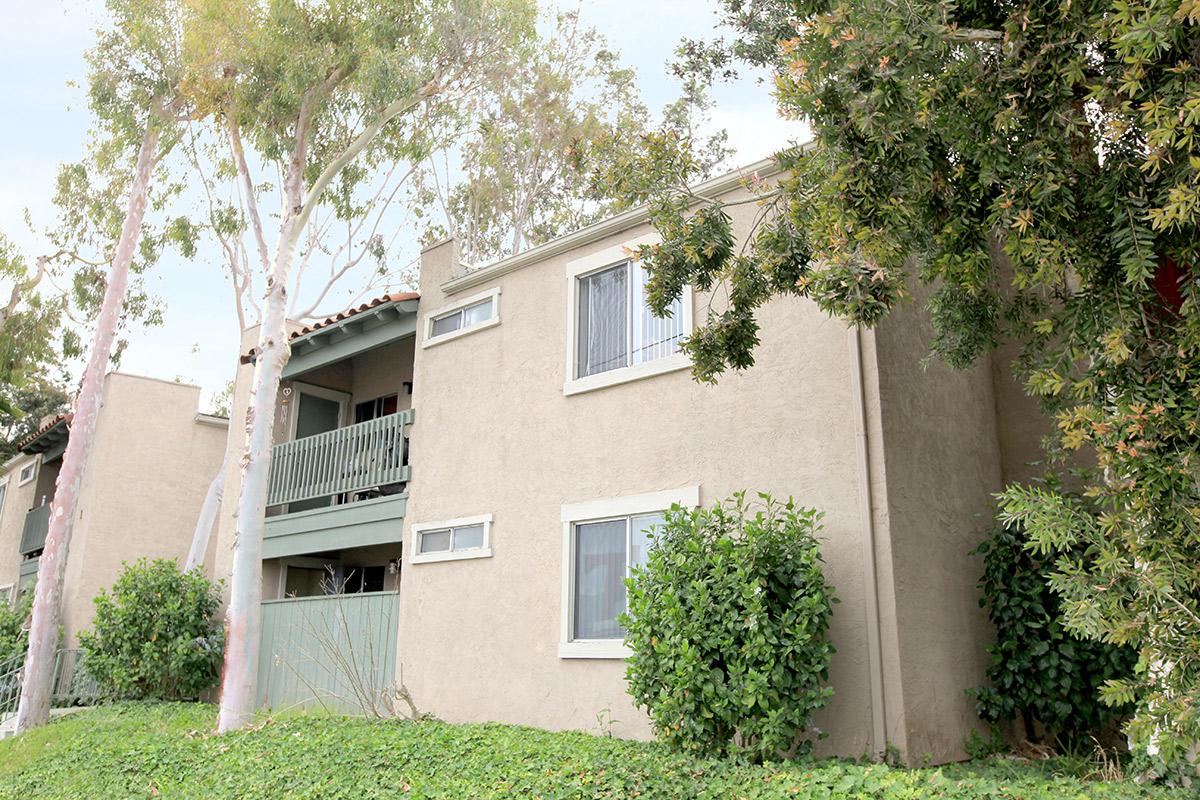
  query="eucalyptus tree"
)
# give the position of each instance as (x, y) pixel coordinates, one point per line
(509, 177)
(1036, 165)
(134, 73)
(329, 91)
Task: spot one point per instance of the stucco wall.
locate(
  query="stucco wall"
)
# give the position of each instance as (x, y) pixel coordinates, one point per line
(17, 501)
(150, 467)
(495, 434)
(943, 460)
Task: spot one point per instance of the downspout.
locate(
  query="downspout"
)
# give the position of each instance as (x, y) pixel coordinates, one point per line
(871, 573)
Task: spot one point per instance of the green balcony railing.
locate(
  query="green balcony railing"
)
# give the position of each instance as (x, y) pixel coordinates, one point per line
(356, 458)
(33, 535)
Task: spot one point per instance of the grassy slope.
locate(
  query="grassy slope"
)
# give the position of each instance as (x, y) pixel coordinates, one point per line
(166, 751)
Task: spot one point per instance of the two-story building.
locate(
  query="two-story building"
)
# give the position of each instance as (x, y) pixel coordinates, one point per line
(464, 477)
(153, 457)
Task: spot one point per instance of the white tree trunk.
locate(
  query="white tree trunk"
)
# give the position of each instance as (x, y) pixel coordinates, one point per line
(34, 707)
(243, 619)
(208, 515)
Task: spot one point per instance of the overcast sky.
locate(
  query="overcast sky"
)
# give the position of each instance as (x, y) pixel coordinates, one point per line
(42, 43)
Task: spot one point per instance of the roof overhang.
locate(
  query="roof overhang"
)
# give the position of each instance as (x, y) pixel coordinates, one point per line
(365, 330)
(51, 439)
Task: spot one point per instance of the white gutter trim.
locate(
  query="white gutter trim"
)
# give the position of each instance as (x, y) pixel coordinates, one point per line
(870, 570)
(599, 230)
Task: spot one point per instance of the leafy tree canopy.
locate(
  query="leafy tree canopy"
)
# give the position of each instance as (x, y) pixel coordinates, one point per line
(1036, 164)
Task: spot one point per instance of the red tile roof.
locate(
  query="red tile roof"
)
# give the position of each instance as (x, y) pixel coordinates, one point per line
(28, 440)
(395, 297)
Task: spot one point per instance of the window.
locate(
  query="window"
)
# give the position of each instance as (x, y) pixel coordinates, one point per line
(27, 473)
(3, 492)
(615, 327)
(612, 336)
(469, 537)
(471, 314)
(374, 409)
(602, 541)
(7, 594)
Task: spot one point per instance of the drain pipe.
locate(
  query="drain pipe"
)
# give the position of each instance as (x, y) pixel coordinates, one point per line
(871, 574)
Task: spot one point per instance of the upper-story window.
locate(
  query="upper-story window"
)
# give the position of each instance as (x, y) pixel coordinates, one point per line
(3, 492)
(468, 537)
(615, 327)
(467, 316)
(27, 473)
(613, 336)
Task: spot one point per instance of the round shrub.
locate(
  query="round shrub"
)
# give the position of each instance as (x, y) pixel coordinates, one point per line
(14, 639)
(156, 634)
(727, 624)
(1039, 672)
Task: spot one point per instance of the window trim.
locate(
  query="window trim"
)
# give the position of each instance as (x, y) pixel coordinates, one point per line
(32, 475)
(484, 551)
(3, 493)
(429, 340)
(597, 511)
(597, 262)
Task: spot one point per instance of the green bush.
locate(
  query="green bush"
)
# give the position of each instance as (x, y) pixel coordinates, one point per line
(13, 637)
(156, 635)
(727, 623)
(1039, 671)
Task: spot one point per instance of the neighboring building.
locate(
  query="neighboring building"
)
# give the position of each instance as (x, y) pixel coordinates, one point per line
(152, 460)
(551, 421)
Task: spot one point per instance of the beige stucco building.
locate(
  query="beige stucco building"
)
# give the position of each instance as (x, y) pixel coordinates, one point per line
(152, 460)
(482, 460)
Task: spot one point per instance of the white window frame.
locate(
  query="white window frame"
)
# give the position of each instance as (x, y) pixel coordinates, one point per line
(485, 551)
(597, 511)
(3, 494)
(32, 474)
(493, 294)
(597, 262)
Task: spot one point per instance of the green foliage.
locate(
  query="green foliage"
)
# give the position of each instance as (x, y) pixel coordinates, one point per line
(156, 634)
(13, 637)
(1036, 165)
(163, 751)
(727, 623)
(1039, 670)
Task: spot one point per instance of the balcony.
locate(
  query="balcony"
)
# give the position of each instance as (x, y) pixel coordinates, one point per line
(360, 469)
(33, 534)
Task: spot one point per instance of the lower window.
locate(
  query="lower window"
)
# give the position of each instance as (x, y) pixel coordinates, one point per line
(603, 541)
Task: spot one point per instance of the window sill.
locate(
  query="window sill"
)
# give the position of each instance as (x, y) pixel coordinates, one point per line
(461, 332)
(461, 555)
(627, 374)
(613, 649)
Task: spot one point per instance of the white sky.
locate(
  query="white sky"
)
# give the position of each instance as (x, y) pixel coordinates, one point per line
(44, 122)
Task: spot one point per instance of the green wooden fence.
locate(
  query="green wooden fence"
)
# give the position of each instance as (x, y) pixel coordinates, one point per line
(351, 459)
(335, 653)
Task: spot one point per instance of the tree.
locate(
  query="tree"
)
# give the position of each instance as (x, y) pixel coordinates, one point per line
(1035, 165)
(133, 91)
(330, 91)
(513, 148)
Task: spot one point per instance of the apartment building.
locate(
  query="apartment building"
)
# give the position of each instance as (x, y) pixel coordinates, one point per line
(153, 457)
(464, 475)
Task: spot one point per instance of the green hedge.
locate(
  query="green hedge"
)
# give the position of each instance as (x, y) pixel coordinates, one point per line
(167, 751)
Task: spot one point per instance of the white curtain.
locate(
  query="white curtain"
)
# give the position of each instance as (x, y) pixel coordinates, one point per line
(600, 568)
(603, 327)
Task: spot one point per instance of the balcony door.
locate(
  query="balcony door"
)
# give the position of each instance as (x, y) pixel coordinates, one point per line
(317, 410)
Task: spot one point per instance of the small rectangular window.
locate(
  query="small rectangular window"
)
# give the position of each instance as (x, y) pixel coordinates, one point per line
(457, 539)
(27, 473)
(3, 492)
(473, 313)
